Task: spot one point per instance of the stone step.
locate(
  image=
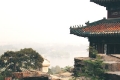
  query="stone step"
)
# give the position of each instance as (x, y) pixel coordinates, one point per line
(112, 75)
(112, 66)
(109, 57)
(115, 55)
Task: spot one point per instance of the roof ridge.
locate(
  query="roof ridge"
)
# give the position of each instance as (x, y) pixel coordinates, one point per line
(112, 20)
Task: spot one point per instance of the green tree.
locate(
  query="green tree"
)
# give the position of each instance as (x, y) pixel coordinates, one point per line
(50, 71)
(56, 69)
(94, 69)
(13, 61)
(92, 52)
(1, 77)
(68, 69)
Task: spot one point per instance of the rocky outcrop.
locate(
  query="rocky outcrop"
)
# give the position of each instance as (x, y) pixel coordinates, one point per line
(111, 64)
(78, 64)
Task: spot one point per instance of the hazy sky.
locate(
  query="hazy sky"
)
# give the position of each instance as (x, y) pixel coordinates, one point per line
(45, 21)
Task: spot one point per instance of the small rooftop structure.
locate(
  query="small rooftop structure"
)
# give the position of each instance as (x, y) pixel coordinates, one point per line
(34, 74)
(45, 65)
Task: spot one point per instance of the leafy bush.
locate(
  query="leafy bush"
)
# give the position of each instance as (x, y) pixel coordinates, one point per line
(92, 52)
(1, 77)
(94, 69)
(55, 70)
(68, 69)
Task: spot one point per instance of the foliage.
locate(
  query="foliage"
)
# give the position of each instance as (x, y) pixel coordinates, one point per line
(92, 52)
(50, 71)
(67, 69)
(56, 69)
(6, 73)
(93, 70)
(1, 77)
(13, 61)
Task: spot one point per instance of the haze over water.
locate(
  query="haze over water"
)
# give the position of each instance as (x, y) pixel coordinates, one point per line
(46, 22)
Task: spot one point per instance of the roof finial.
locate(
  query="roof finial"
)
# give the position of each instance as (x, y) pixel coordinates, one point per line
(75, 26)
(79, 25)
(104, 18)
(87, 23)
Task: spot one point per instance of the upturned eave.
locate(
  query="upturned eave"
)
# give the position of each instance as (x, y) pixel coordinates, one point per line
(104, 27)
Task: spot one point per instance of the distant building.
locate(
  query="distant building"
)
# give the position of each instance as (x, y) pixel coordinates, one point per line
(33, 74)
(45, 65)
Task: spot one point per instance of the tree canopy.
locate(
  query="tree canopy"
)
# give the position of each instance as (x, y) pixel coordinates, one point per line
(26, 58)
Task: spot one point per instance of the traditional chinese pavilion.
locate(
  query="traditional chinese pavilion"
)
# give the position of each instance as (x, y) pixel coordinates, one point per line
(104, 34)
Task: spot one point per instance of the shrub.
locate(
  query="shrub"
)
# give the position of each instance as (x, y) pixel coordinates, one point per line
(92, 52)
(94, 69)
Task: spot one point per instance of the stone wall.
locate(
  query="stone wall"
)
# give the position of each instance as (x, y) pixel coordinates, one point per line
(78, 64)
(111, 64)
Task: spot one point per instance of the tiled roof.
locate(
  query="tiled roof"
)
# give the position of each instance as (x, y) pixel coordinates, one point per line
(104, 27)
(29, 74)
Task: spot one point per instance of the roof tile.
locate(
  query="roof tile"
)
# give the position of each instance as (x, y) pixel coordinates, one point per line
(108, 26)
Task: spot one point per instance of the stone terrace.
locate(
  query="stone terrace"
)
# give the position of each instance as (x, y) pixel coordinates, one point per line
(112, 64)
